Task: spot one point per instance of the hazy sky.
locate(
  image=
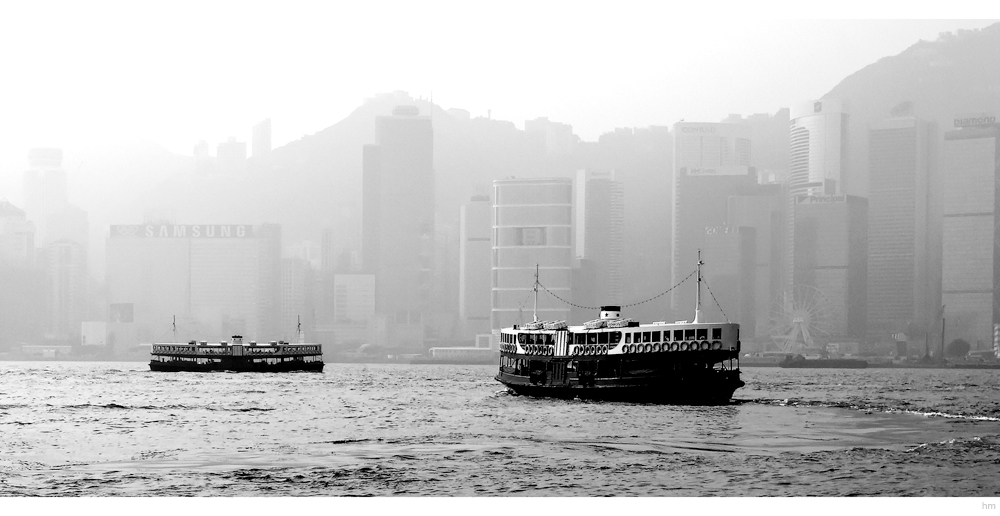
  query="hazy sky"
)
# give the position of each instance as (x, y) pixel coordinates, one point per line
(177, 72)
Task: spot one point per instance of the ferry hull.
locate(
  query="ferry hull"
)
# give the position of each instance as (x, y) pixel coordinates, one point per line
(238, 366)
(663, 384)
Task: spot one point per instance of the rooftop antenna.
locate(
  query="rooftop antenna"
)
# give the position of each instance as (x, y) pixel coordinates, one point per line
(298, 329)
(534, 311)
(697, 298)
(175, 328)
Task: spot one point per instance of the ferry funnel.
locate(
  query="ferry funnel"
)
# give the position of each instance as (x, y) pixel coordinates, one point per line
(611, 312)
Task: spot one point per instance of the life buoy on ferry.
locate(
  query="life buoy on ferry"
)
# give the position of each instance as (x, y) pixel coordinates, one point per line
(656, 347)
(647, 347)
(717, 345)
(674, 346)
(604, 350)
(705, 346)
(684, 346)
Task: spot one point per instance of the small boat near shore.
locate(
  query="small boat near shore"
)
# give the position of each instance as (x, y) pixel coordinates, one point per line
(799, 361)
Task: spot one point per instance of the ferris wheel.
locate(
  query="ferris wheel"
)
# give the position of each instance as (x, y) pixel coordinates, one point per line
(801, 319)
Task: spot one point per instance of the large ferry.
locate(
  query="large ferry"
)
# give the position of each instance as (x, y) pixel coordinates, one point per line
(616, 358)
(264, 357)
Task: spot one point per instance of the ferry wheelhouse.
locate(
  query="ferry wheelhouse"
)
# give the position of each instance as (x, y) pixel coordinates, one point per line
(616, 358)
(269, 357)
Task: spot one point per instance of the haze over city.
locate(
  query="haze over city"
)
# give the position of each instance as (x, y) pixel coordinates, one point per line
(515, 249)
(330, 137)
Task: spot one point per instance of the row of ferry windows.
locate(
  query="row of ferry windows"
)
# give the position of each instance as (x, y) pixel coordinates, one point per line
(614, 337)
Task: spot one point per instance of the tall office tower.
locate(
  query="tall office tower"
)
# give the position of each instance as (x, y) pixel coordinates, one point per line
(474, 250)
(971, 230)
(817, 159)
(231, 156)
(218, 280)
(296, 299)
(711, 163)
(765, 212)
(261, 140)
(903, 285)
(67, 271)
(17, 237)
(23, 291)
(599, 214)
(44, 188)
(730, 274)
(830, 270)
(269, 324)
(354, 311)
(818, 148)
(398, 223)
(532, 227)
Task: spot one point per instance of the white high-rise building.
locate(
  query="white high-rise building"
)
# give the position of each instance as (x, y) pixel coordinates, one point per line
(818, 148)
(532, 227)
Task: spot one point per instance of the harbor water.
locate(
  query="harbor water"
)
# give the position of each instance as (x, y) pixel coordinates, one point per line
(117, 429)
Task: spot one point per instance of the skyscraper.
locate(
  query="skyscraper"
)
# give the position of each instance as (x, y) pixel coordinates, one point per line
(532, 226)
(261, 140)
(818, 148)
(902, 264)
(67, 271)
(23, 293)
(766, 212)
(831, 256)
(474, 249)
(599, 237)
(971, 229)
(398, 221)
(44, 190)
(712, 163)
(817, 161)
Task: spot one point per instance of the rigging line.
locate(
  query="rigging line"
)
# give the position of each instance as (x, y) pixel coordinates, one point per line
(661, 294)
(716, 300)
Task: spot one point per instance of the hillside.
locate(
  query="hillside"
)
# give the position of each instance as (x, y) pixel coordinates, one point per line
(957, 74)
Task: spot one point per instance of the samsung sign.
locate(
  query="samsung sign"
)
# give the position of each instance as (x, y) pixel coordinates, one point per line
(974, 120)
(189, 231)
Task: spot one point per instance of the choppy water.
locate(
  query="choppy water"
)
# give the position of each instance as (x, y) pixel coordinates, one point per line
(110, 429)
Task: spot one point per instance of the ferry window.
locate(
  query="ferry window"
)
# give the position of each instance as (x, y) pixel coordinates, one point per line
(616, 337)
(702, 334)
(602, 338)
(578, 338)
(678, 334)
(628, 338)
(520, 338)
(688, 334)
(645, 336)
(636, 337)
(656, 336)
(716, 333)
(591, 338)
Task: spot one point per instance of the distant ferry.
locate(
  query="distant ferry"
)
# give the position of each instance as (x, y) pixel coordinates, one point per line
(616, 358)
(267, 357)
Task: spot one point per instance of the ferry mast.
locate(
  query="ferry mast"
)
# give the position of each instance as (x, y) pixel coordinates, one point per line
(697, 297)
